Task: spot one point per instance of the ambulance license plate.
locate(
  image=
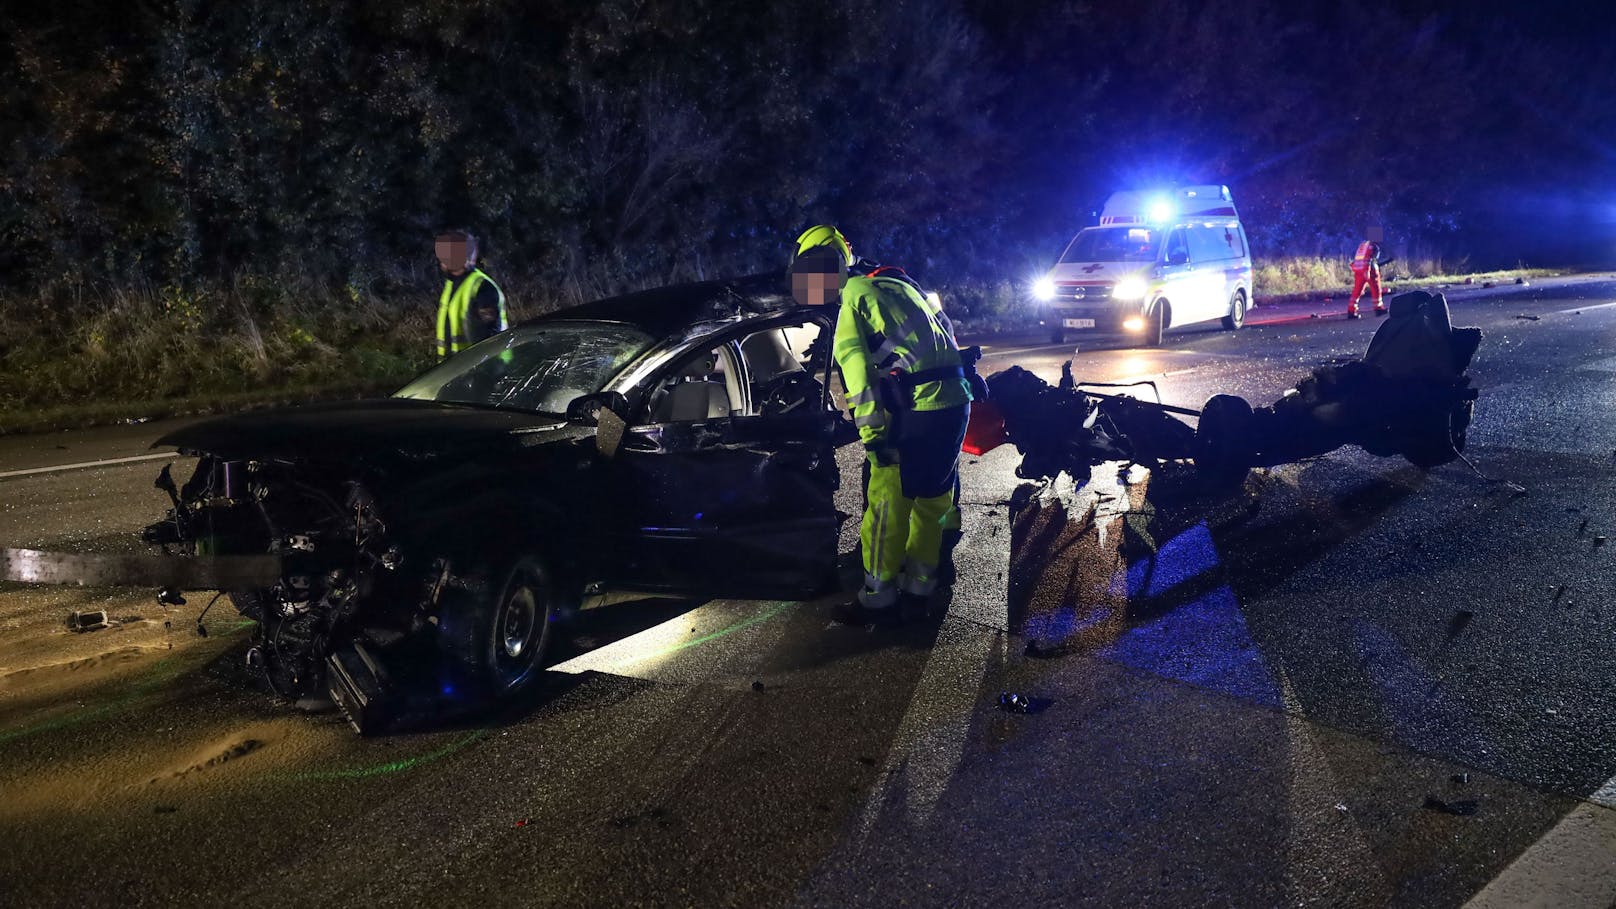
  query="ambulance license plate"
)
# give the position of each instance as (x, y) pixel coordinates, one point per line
(1079, 323)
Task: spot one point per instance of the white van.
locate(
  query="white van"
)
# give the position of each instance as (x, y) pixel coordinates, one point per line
(1157, 260)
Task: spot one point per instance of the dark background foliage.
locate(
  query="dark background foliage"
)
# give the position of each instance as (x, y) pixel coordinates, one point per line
(606, 145)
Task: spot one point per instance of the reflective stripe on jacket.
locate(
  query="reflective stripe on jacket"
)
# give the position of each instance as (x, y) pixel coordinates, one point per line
(454, 305)
(1368, 254)
(885, 324)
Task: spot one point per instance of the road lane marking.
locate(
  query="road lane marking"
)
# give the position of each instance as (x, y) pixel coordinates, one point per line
(82, 465)
(1328, 861)
(1570, 866)
(1582, 309)
(989, 352)
(1606, 365)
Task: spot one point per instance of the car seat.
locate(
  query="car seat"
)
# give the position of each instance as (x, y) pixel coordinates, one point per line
(694, 395)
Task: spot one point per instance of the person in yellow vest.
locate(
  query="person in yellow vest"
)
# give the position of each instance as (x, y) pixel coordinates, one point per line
(908, 390)
(471, 307)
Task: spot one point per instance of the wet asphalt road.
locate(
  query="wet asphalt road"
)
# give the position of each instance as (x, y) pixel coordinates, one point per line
(1353, 684)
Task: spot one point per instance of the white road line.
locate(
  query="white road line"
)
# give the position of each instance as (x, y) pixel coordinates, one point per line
(1571, 866)
(109, 462)
(989, 351)
(1561, 312)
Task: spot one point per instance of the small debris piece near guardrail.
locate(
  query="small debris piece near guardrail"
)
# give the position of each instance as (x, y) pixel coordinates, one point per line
(88, 620)
(1529, 318)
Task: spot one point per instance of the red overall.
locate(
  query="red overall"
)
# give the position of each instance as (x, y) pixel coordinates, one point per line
(1365, 271)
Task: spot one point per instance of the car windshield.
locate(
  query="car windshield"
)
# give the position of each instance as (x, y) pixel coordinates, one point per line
(538, 368)
(1114, 244)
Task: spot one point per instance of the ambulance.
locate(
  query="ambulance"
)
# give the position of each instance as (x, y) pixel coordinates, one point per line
(1157, 260)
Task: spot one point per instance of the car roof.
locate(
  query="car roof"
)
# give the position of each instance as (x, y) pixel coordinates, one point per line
(671, 310)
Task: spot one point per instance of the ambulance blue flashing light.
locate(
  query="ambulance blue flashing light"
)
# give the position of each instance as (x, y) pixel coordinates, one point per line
(1161, 211)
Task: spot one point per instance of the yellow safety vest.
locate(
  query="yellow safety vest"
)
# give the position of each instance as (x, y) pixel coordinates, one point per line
(455, 304)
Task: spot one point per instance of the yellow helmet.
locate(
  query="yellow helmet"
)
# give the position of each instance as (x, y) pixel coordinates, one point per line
(825, 235)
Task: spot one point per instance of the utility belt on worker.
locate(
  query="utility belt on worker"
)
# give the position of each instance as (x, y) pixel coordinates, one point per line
(895, 390)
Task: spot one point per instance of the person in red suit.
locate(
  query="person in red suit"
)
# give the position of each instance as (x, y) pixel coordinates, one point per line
(1366, 273)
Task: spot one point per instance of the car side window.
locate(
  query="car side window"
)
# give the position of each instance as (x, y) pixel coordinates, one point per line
(785, 367)
(697, 388)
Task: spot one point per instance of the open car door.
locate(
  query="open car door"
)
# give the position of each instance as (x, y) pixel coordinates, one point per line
(729, 470)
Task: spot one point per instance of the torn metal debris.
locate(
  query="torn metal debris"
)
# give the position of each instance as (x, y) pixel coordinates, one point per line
(1408, 396)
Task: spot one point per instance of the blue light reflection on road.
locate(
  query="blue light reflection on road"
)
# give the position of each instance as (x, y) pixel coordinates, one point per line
(1203, 641)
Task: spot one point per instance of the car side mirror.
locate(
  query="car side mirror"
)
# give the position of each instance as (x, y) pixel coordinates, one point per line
(586, 408)
(1178, 258)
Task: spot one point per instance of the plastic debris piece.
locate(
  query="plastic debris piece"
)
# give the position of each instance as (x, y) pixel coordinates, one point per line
(168, 596)
(1015, 703)
(1459, 779)
(757, 686)
(1559, 592)
(164, 809)
(1341, 807)
(1516, 490)
(1528, 318)
(1460, 620)
(1462, 809)
(523, 822)
(1599, 541)
(1523, 281)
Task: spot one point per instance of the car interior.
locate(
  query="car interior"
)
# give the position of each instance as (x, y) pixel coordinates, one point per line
(697, 391)
(780, 365)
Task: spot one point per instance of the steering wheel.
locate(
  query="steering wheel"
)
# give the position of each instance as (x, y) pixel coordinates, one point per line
(786, 393)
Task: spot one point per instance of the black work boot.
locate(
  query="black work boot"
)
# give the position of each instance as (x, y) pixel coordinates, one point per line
(856, 613)
(914, 607)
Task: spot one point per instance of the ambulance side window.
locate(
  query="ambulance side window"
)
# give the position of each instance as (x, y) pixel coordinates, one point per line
(1235, 239)
(1178, 250)
(1207, 244)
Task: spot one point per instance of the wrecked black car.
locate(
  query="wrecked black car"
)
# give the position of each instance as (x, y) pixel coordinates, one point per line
(676, 441)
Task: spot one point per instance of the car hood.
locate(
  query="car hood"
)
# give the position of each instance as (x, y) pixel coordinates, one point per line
(374, 429)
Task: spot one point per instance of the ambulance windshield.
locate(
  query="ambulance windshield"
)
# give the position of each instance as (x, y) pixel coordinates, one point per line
(1114, 244)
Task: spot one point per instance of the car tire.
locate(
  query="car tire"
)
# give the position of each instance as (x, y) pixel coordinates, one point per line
(496, 633)
(1236, 319)
(1223, 447)
(1156, 323)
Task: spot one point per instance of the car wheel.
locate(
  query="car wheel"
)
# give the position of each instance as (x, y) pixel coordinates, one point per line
(1236, 319)
(497, 634)
(1156, 323)
(1223, 449)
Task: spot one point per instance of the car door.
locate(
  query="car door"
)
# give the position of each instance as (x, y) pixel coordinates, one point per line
(727, 493)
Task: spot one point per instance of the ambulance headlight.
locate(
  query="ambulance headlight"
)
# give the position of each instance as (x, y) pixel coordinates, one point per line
(1134, 324)
(1132, 288)
(1043, 289)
